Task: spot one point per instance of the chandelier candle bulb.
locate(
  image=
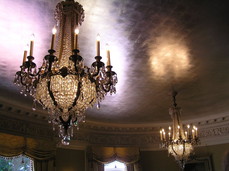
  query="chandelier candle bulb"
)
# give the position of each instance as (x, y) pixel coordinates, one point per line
(98, 44)
(76, 38)
(25, 54)
(31, 45)
(161, 135)
(194, 128)
(164, 135)
(186, 134)
(24, 57)
(179, 131)
(188, 126)
(108, 56)
(193, 133)
(53, 37)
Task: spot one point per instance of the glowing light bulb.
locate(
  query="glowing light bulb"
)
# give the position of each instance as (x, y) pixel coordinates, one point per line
(77, 31)
(26, 49)
(98, 37)
(76, 38)
(32, 37)
(53, 37)
(54, 30)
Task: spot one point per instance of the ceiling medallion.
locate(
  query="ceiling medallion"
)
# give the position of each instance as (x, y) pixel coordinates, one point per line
(63, 84)
(180, 139)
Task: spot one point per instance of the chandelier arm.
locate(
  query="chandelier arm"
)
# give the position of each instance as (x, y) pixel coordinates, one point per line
(27, 65)
(109, 74)
(98, 64)
(21, 77)
(174, 150)
(183, 150)
(106, 90)
(51, 94)
(95, 74)
(90, 76)
(77, 96)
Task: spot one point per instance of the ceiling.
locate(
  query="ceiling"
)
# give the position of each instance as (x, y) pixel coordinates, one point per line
(156, 46)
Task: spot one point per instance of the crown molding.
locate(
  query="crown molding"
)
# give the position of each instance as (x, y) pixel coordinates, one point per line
(19, 121)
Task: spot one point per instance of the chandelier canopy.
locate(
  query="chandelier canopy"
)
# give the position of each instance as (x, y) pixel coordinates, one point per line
(180, 139)
(63, 84)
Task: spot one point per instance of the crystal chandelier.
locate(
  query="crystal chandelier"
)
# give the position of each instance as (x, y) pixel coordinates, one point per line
(180, 139)
(63, 84)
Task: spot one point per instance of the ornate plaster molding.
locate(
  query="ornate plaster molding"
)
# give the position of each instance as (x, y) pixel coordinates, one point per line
(21, 127)
(15, 120)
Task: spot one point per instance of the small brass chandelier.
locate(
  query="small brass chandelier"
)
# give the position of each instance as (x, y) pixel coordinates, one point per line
(180, 139)
(63, 85)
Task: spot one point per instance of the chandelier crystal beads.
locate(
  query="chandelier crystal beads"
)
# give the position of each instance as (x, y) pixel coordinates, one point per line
(63, 84)
(180, 139)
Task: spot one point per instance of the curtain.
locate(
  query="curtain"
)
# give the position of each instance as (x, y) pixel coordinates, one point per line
(104, 155)
(43, 152)
(44, 165)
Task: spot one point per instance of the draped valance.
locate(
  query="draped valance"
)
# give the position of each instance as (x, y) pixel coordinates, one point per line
(12, 145)
(127, 155)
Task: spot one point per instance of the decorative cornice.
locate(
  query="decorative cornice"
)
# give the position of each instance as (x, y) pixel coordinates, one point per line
(22, 113)
(15, 120)
(222, 130)
(18, 121)
(21, 127)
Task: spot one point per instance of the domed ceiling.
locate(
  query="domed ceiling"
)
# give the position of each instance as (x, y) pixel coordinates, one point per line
(156, 46)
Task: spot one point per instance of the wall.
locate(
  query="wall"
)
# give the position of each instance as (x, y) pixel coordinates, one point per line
(159, 160)
(70, 160)
(217, 153)
(74, 160)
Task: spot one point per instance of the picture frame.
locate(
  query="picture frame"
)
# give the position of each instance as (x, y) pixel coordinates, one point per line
(199, 164)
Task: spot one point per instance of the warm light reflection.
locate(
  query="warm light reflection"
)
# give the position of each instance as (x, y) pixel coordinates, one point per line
(17, 22)
(169, 57)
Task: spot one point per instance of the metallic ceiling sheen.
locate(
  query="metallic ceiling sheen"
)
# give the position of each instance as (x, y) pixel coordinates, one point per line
(156, 46)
